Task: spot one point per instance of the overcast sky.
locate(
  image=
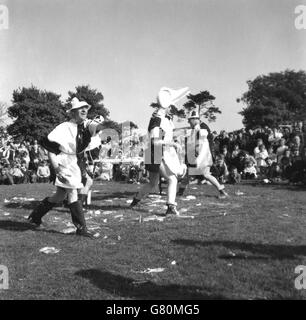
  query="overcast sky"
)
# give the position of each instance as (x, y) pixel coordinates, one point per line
(128, 49)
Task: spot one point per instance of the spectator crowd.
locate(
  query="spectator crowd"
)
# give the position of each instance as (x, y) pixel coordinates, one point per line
(265, 154)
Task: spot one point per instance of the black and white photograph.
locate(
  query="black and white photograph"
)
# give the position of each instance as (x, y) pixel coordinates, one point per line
(152, 150)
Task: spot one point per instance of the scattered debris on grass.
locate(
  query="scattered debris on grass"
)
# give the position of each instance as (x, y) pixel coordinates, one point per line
(198, 204)
(154, 217)
(129, 201)
(239, 193)
(18, 199)
(97, 235)
(159, 201)
(191, 197)
(69, 230)
(173, 262)
(151, 270)
(184, 216)
(49, 250)
(118, 216)
(107, 212)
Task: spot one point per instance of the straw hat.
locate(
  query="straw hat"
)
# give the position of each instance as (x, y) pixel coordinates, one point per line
(76, 104)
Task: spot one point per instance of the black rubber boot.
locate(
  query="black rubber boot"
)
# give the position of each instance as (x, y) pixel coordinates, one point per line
(83, 199)
(134, 202)
(40, 211)
(78, 219)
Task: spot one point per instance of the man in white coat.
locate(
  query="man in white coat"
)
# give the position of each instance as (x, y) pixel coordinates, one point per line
(66, 146)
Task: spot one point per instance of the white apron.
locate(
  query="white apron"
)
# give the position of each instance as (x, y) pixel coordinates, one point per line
(65, 135)
(170, 156)
(204, 158)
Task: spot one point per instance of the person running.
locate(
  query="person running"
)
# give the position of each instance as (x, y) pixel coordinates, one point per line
(199, 157)
(161, 157)
(66, 146)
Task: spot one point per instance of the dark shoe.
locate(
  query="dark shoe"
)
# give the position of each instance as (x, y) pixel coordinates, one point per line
(181, 191)
(134, 203)
(172, 210)
(223, 194)
(84, 233)
(42, 209)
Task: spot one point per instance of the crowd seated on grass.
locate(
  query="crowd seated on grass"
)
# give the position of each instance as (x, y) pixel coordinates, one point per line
(260, 154)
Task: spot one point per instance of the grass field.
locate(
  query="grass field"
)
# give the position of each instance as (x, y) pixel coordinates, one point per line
(244, 247)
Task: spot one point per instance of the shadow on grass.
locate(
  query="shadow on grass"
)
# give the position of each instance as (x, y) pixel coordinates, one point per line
(128, 287)
(269, 251)
(126, 194)
(11, 225)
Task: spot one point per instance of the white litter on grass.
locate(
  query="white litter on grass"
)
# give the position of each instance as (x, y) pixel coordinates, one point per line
(159, 201)
(173, 262)
(191, 197)
(129, 201)
(152, 218)
(104, 220)
(286, 215)
(107, 212)
(6, 214)
(95, 191)
(154, 196)
(69, 224)
(105, 237)
(198, 204)
(119, 238)
(231, 253)
(94, 228)
(19, 199)
(69, 230)
(97, 212)
(229, 264)
(118, 216)
(97, 235)
(49, 250)
(184, 217)
(239, 193)
(151, 270)
(194, 188)
(223, 213)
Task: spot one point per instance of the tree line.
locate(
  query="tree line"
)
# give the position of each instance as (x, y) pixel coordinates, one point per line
(272, 99)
